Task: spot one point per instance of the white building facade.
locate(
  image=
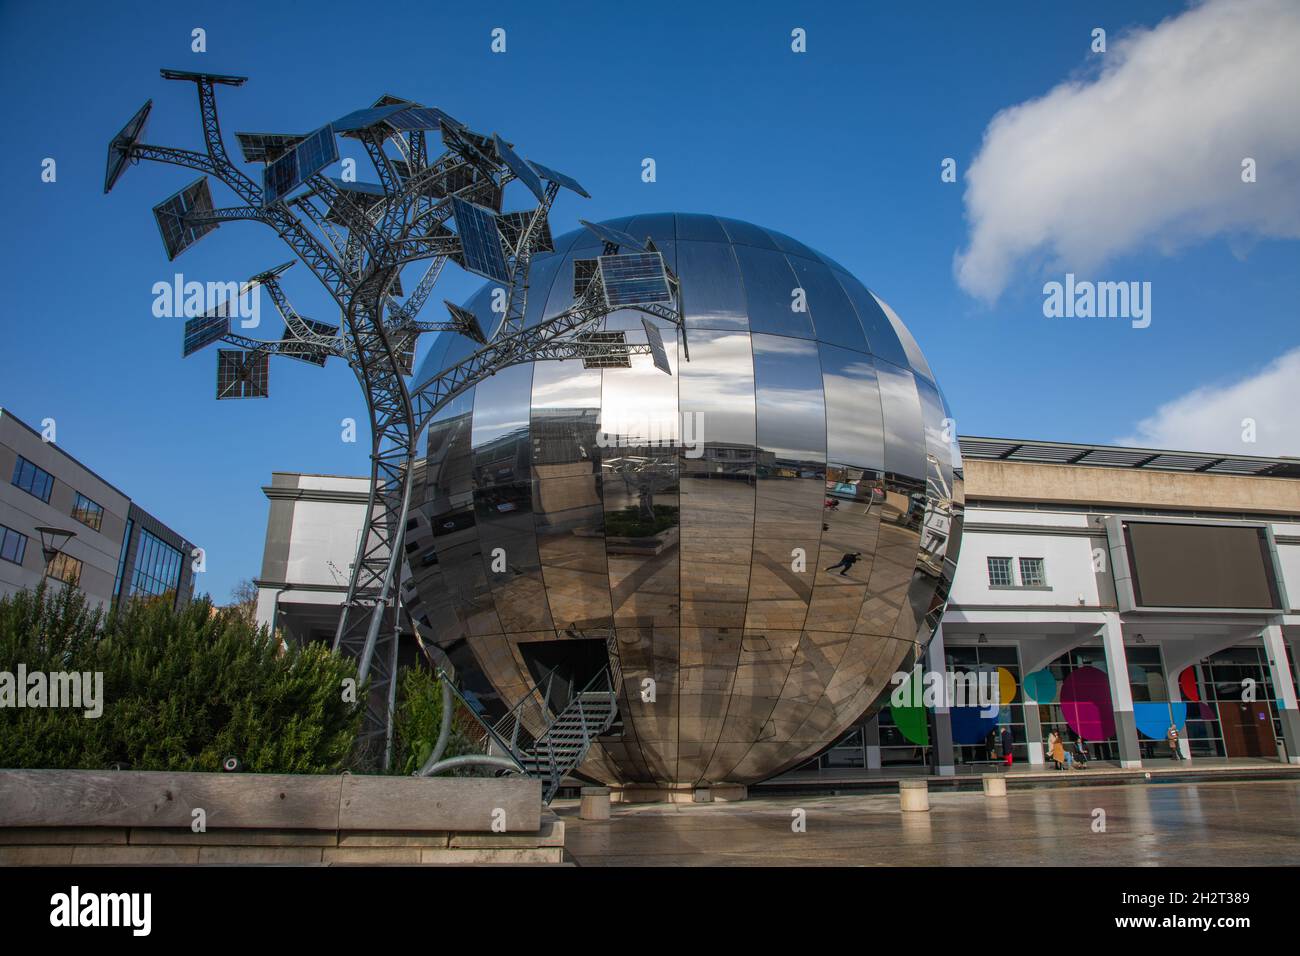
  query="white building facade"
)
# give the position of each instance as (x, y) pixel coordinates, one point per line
(1111, 594)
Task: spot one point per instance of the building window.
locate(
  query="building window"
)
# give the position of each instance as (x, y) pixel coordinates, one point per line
(64, 568)
(13, 545)
(1032, 573)
(88, 513)
(121, 559)
(1000, 573)
(33, 480)
(157, 567)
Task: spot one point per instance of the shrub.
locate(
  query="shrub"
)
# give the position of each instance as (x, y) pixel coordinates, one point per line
(182, 690)
(419, 718)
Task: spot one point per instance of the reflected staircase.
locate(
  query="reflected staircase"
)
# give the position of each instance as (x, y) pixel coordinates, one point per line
(565, 738)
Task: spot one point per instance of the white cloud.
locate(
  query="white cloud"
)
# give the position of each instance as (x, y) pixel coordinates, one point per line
(1147, 152)
(1210, 418)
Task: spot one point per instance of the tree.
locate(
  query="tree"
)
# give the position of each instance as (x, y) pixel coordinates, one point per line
(243, 600)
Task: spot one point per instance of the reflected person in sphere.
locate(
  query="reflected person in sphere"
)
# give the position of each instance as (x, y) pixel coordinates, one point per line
(846, 562)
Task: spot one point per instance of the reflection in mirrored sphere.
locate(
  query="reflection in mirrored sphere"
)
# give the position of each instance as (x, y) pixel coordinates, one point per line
(760, 539)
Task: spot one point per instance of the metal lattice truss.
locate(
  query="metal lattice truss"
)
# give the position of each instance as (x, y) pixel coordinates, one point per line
(357, 238)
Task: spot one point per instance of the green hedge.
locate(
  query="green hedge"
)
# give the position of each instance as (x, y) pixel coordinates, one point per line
(182, 690)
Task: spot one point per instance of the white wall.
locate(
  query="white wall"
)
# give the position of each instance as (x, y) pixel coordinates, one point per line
(323, 532)
(1068, 560)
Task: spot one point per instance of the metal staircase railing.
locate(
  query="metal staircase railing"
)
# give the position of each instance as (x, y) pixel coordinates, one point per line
(560, 747)
(568, 738)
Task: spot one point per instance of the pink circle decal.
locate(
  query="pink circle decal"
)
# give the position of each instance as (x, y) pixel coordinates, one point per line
(1085, 702)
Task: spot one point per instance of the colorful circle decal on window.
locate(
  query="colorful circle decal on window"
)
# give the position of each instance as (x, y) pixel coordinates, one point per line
(1006, 686)
(1040, 686)
(910, 718)
(1085, 702)
(1192, 692)
(1154, 717)
(971, 726)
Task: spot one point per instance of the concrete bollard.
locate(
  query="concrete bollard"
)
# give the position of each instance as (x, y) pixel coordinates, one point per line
(914, 795)
(595, 804)
(995, 785)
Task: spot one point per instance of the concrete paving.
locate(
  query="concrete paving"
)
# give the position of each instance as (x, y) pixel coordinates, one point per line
(1202, 769)
(1175, 824)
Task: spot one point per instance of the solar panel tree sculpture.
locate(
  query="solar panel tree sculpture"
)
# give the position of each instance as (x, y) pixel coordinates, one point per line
(357, 238)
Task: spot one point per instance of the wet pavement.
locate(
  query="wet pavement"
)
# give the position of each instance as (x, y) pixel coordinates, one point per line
(1175, 824)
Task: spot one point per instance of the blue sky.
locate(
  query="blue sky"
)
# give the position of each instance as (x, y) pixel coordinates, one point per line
(840, 147)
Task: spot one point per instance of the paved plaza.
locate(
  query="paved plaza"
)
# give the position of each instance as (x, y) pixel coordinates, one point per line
(1146, 824)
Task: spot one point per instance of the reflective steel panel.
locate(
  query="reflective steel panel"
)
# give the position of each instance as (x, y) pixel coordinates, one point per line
(775, 300)
(712, 296)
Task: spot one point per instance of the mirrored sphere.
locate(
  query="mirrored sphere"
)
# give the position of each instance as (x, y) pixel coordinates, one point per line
(760, 540)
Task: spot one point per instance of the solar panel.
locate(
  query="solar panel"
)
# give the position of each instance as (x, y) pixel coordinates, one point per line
(120, 146)
(279, 178)
(584, 270)
(523, 172)
(615, 236)
(364, 119)
(170, 214)
(612, 351)
(360, 195)
(479, 141)
(266, 147)
(480, 240)
(467, 323)
(225, 78)
(304, 352)
(636, 278)
(657, 351)
(314, 153)
(242, 374)
(568, 182)
(321, 328)
(513, 224)
(421, 117)
(203, 331)
(467, 143)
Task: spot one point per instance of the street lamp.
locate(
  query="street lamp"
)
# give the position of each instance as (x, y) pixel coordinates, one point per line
(52, 542)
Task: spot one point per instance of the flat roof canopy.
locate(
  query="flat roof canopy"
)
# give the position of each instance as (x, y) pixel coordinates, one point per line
(1111, 456)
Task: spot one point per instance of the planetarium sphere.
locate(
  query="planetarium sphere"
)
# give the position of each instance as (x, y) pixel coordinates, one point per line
(759, 540)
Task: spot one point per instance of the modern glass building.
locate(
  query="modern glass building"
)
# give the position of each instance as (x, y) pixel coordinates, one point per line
(113, 549)
(154, 561)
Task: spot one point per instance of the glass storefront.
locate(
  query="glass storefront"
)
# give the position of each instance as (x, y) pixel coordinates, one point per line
(1224, 706)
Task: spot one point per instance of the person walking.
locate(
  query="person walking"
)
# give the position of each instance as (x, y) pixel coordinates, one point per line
(846, 562)
(1175, 750)
(1008, 745)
